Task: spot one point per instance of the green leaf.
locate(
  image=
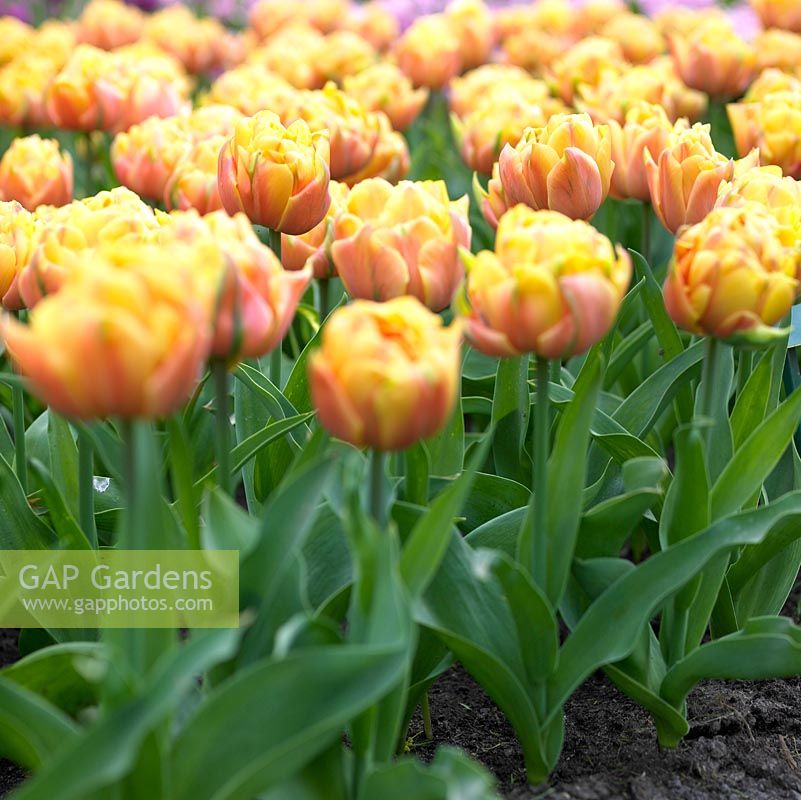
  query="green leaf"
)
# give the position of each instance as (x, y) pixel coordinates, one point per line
(752, 402)
(63, 460)
(446, 449)
(510, 412)
(20, 528)
(429, 539)
(758, 455)
(70, 535)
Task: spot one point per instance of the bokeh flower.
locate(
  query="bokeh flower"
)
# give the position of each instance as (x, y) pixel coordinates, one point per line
(34, 172)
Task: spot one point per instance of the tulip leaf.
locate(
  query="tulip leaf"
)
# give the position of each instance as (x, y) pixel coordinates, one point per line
(63, 460)
(752, 403)
(758, 455)
(766, 647)
(625, 353)
(607, 632)
(20, 528)
(446, 449)
(510, 413)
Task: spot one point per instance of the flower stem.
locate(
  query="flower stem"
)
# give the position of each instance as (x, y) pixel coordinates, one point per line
(222, 425)
(645, 238)
(706, 400)
(377, 499)
(324, 285)
(20, 454)
(274, 238)
(540, 473)
(86, 487)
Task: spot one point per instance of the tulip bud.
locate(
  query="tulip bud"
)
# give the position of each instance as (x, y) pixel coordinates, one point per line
(254, 299)
(683, 181)
(383, 87)
(565, 166)
(127, 337)
(386, 374)
(429, 52)
(34, 172)
(277, 176)
(647, 128)
(713, 59)
(110, 24)
(552, 287)
(779, 14)
(731, 276)
(774, 126)
(314, 246)
(390, 241)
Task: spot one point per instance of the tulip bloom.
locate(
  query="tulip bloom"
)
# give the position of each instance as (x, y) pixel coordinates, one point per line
(251, 88)
(429, 52)
(552, 287)
(731, 275)
(778, 49)
(110, 24)
(683, 181)
(588, 62)
(18, 230)
(779, 14)
(390, 241)
(341, 54)
(23, 85)
(314, 246)
(390, 159)
(638, 37)
(565, 166)
(475, 27)
(34, 172)
(15, 38)
(772, 125)
(193, 182)
(647, 128)
(493, 202)
(126, 338)
(386, 374)
(713, 59)
(372, 22)
(254, 298)
(466, 91)
(287, 54)
(278, 176)
(383, 87)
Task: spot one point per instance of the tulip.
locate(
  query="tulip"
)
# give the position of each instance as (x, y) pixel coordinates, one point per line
(713, 59)
(390, 241)
(587, 62)
(390, 159)
(110, 24)
(343, 53)
(287, 55)
(18, 230)
(429, 52)
(126, 338)
(769, 82)
(386, 374)
(251, 88)
(784, 14)
(493, 201)
(145, 156)
(533, 50)
(269, 16)
(277, 176)
(314, 246)
(383, 87)
(73, 232)
(773, 126)
(475, 27)
(638, 37)
(373, 22)
(731, 276)
(778, 49)
(193, 182)
(16, 37)
(595, 15)
(677, 19)
(254, 298)
(23, 84)
(565, 166)
(552, 287)
(34, 172)
(647, 128)
(466, 91)
(683, 181)
(353, 131)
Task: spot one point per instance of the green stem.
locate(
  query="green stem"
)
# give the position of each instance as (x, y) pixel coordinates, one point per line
(86, 487)
(20, 455)
(540, 473)
(425, 710)
(324, 285)
(128, 461)
(744, 367)
(645, 238)
(222, 425)
(706, 400)
(274, 238)
(377, 499)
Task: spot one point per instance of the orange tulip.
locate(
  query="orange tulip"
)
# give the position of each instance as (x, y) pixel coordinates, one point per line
(110, 24)
(193, 182)
(386, 374)
(647, 128)
(18, 230)
(683, 181)
(383, 87)
(731, 275)
(278, 176)
(588, 62)
(638, 37)
(714, 59)
(596, 14)
(34, 172)
(254, 298)
(771, 81)
(778, 49)
(552, 287)
(251, 88)
(23, 84)
(314, 246)
(343, 53)
(475, 27)
(390, 159)
(390, 241)
(16, 38)
(779, 14)
(466, 91)
(533, 50)
(287, 55)
(565, 166)
(373, 22)
(429, 52)
(493, 201)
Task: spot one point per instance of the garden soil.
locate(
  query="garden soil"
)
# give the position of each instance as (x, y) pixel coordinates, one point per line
(744, 744)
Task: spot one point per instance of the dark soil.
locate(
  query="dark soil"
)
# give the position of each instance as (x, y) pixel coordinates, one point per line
(744, 744)
(10, 774)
